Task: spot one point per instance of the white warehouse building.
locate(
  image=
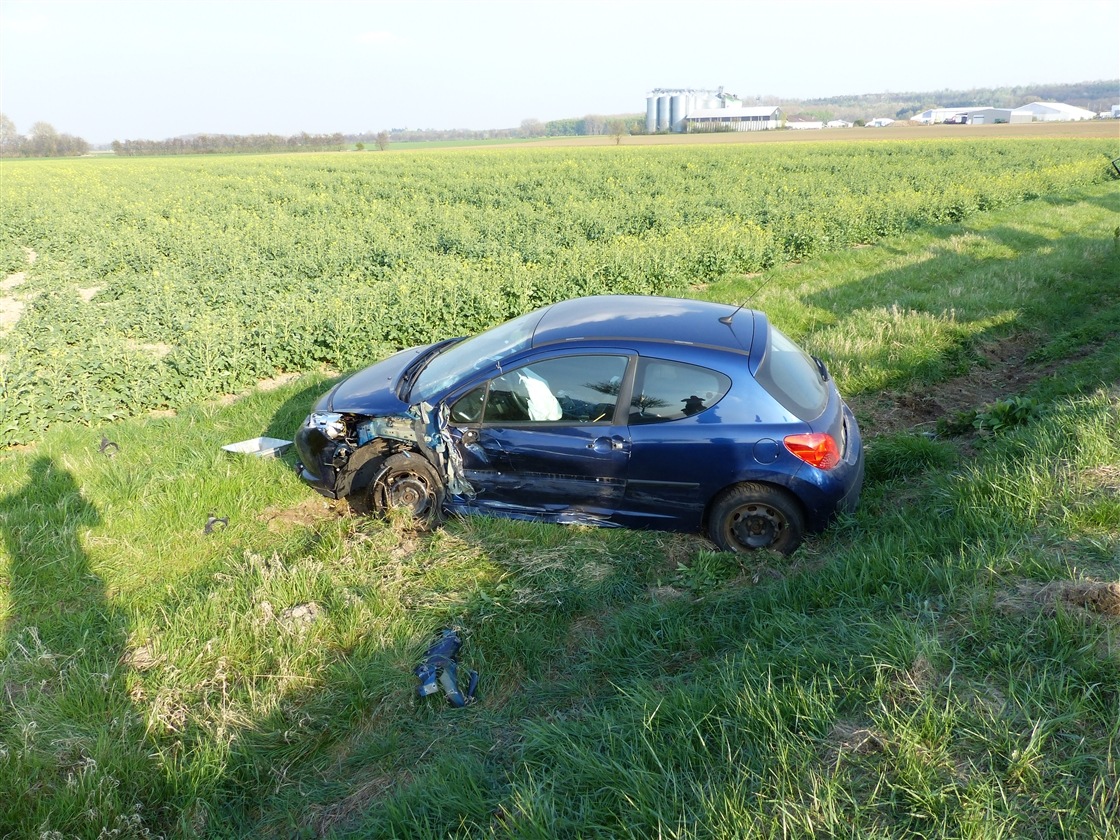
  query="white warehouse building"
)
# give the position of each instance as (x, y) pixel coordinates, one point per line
(760, 118)
(1050, 112)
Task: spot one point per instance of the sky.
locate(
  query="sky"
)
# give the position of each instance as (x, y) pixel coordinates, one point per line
(110, 70)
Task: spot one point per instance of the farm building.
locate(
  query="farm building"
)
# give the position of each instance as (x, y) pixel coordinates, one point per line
(668, 109)
(1049, 112)
(978, 115)
(838, 124)
(880, 122)
(801, 124)
(761, 118)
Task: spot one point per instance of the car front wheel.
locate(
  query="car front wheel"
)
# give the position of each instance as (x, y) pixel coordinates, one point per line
(753, 516)
(407, 481)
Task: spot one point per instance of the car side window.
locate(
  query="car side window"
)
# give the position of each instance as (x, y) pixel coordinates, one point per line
(468, 408)
(571, 389)
(673, 390)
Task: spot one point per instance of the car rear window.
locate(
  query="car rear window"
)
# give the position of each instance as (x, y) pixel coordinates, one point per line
(665, 390)
(792, 377)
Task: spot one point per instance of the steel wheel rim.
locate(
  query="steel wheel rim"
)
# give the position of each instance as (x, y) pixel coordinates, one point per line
(756, 525)
(409, 491)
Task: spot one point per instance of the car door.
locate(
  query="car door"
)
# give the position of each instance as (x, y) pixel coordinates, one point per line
(680, 445)
(542, 440)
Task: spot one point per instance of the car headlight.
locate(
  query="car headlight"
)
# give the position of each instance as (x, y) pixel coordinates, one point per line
(329, 423)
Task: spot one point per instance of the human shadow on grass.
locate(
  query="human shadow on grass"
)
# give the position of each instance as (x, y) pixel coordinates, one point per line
(73, 745)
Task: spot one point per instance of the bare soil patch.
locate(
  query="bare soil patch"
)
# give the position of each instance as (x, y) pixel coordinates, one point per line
(277, 381)
(324, 819)
(848, 738)
(11, 307)
(11, 310)
(305, 514)
(157, 350)
(1101, 597)
(1002, 372)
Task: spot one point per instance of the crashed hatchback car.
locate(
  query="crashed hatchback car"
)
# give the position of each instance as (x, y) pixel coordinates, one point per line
(614, 410)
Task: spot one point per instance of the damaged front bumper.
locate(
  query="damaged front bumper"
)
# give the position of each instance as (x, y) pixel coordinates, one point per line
(339, 453)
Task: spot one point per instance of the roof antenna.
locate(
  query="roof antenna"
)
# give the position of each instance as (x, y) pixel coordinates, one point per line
(727, 319)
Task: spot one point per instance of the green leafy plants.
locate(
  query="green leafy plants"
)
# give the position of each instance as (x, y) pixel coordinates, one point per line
(1006, 414)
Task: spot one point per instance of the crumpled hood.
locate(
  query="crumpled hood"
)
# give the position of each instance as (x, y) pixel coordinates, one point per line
(371, 390)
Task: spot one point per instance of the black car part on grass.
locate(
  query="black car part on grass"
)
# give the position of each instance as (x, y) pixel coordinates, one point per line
(214, 523)
(440, 669)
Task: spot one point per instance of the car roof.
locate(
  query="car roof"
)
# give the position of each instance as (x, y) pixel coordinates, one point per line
(647, 318)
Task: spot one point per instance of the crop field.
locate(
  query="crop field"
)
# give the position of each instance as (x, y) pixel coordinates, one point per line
(193, 644)
(160, 282)
(899, 131)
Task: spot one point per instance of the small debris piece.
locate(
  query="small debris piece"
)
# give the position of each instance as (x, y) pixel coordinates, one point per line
(213, 522)
(108, 447)
(440, 669)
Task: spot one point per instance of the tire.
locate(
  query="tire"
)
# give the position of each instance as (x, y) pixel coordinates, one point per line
(748, 517)
(407, 481)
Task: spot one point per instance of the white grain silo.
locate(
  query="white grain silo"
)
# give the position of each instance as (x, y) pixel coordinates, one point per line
(663, 112)
(677, 111)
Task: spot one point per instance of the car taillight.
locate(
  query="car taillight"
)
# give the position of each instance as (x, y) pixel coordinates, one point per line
(818, 449)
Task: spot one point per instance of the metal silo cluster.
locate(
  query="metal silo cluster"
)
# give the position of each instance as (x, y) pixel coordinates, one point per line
(667, 109)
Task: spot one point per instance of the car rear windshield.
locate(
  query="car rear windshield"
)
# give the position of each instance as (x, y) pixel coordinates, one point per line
(792, 377)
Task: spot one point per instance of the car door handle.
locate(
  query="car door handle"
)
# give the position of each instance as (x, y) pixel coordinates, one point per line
(608, 444)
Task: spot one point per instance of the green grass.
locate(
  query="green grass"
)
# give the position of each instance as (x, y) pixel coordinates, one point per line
(924, 669)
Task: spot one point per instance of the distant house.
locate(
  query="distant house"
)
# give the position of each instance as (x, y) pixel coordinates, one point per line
(760, 118)
(838, 124)
(880, 122)
(800, 123)
(1050, 112)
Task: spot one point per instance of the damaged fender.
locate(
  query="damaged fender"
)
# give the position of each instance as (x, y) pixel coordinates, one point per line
(423, 430)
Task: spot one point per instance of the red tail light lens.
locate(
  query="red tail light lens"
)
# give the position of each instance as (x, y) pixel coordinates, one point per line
(818, 450)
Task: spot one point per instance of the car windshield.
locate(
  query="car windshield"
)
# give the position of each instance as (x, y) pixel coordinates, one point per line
(487, 349)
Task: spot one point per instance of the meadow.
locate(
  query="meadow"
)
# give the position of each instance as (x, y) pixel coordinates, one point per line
(944, 663)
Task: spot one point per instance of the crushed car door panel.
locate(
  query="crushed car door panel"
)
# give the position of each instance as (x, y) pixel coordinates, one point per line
(543, 437)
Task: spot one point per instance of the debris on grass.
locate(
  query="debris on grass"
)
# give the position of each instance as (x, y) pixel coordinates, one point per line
(440, 669)
(215, 523)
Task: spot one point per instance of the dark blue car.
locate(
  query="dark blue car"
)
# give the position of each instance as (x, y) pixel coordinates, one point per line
(643, 412)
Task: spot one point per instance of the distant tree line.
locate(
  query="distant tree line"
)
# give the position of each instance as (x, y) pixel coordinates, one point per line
(43, 141)
(199, 144)
(591, 125)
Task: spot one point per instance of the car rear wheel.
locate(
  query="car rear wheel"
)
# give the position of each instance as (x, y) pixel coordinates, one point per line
(752, 516)
(408, 482)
